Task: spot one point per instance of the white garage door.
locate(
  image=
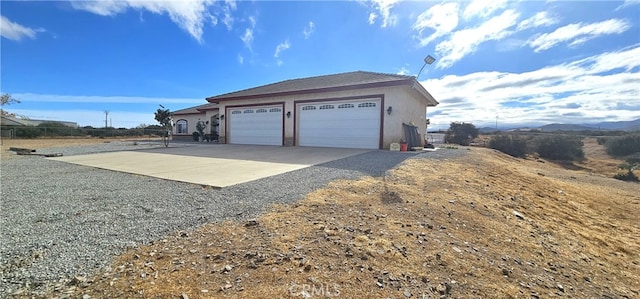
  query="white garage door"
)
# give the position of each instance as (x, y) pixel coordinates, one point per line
(255, 125)
(349, 124)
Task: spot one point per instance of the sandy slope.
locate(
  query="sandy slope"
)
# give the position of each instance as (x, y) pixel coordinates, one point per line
(485, 225)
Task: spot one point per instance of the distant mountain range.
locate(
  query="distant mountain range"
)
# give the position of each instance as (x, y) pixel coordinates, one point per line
(633, 125)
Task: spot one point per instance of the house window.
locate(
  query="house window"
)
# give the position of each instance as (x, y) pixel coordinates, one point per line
(181, 127)
(309, 108)
(275, 110)
(341, 106)
(368, 104)
(323, 107)
(261, 110)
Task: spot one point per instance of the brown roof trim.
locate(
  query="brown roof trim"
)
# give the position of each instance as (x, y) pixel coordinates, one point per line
(408, 81)
(187, 113)
(209, 108)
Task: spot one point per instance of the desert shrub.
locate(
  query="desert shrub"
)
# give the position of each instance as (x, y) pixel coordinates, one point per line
(510, 145)
(625, 145)
(601, 140)
(559, 147)
(628, 176)
(58, 129)
(28, 132)
(461, 133)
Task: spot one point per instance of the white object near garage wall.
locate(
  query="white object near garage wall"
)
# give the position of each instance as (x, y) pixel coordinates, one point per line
(395, 147)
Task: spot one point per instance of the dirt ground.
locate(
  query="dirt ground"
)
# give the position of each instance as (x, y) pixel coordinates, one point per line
(484, 225)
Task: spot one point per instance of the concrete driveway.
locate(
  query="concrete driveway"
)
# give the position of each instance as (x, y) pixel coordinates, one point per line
(216, 165)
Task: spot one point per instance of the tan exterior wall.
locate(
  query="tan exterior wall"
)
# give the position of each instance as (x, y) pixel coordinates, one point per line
(407, 106)
(192, 120)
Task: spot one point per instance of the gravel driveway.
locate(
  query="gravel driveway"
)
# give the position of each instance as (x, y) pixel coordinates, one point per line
(61, 220)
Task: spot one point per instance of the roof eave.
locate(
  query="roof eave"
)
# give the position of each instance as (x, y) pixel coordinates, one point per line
(313, 90)
(431, 101)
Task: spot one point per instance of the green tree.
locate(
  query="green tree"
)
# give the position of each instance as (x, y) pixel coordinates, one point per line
(461, 133)
(163, 116)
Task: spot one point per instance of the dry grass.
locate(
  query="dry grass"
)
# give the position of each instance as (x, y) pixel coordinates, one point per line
(429, 228)
(597, 159)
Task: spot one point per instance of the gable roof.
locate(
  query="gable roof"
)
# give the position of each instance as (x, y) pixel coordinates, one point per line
(326, 83)
(7, 120)
(196, 110)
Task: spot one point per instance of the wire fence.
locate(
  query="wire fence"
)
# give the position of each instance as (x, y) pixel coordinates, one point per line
(63, 131)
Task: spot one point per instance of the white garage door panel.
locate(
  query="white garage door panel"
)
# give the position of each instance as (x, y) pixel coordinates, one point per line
(347, 124)
(255, 125)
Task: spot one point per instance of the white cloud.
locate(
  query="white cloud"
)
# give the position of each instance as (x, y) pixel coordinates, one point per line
(307, 31)
(384, 8)
(188, 15)
(466, 41)
(577, 33)
(240, 59)
(628, 3)
(443, 18)
(404, 71)
(538, 20)
(281, 47)
(15, 31)
(483, 8)
(247, 38)
(372, 18)
(599, 88)
(228, 19)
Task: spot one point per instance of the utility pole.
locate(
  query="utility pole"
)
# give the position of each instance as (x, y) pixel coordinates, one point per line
(496, 123)
(106, 115)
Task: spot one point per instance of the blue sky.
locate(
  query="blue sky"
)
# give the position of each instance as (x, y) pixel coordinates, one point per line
(524, 62)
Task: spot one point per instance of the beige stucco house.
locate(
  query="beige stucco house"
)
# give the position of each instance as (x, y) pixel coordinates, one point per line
(351, 110)
(186, 120)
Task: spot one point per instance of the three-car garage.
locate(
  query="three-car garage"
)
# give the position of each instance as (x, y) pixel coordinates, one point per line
(359, 109)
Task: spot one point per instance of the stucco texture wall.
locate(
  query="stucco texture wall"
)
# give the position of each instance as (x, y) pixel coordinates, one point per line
(408, 106)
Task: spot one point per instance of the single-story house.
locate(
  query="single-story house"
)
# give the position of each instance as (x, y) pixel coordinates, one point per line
(352, 110)
(186, 120)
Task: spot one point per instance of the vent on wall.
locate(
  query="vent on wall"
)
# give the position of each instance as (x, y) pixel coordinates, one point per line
(367, 104)
(341, 106)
